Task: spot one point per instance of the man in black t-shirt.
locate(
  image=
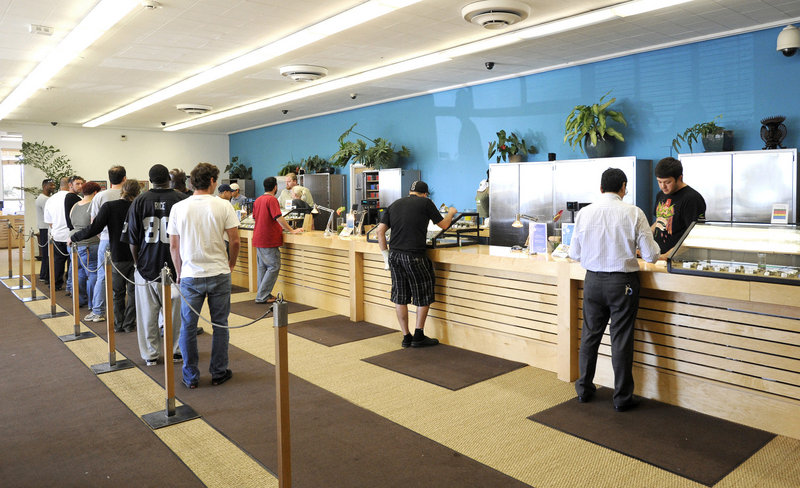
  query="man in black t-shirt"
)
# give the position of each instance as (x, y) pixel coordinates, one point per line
(147, 235)
(413, 278)
(677, 205)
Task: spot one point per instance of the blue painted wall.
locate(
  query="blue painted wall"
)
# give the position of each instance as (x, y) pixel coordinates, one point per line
(660, 93)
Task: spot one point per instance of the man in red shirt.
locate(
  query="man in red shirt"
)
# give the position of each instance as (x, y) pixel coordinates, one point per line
(268, 238)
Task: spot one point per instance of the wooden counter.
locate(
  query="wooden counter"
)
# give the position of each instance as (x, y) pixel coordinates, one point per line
(723, 347)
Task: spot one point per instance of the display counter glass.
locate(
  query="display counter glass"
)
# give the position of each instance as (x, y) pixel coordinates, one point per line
(750, 252)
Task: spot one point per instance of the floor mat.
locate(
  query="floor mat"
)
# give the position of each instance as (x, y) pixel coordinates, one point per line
(253, 310)
(336, 329)
(451, 367)
(697, 446)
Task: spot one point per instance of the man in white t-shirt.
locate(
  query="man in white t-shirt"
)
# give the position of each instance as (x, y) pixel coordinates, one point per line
(197, 226)
(48, 187)
(116, 176)
(56, 217)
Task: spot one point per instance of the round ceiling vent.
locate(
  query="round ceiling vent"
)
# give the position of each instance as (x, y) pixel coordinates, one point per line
(304, 72)
(193, 108)
(496, 14)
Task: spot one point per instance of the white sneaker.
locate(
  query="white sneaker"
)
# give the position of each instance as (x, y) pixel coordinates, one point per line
(151, 362)
(90, 317)
(99, 318)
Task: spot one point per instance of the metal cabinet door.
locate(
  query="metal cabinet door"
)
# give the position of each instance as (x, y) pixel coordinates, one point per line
(710, 174)
(761, 179)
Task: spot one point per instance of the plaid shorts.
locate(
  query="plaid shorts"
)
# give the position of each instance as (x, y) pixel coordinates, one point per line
(412, 279)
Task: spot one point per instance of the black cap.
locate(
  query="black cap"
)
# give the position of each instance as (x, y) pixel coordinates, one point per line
(224, 187)
(419, 186)
(159, 174)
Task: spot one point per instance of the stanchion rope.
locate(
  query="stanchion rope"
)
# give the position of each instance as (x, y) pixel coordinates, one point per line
(269, 311)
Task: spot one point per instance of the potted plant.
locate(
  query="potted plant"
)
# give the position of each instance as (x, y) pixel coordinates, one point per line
(714, 137)
(381, 154)
(509, 148)
(316, 164)
(238, 171)
(290, 167)
(46, 159)
(587, 127)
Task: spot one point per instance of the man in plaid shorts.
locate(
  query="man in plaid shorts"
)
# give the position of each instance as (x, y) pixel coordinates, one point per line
(413, 278)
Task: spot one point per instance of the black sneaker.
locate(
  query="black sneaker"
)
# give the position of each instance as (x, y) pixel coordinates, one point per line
(425, 341)
(188, 385)
(200, 330)
(222, 379)
(406, 340)
(177, 357)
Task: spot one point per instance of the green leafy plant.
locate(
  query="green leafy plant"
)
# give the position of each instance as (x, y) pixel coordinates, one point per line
(289, 167)
(697, 132)
(314, 164)
(508, 145)
(46, 159)
(237, 170)
(380, 154)
(592, 121)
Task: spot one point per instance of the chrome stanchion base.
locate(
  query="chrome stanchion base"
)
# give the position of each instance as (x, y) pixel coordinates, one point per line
(52, 315)
(5, 278)
(157, 420)
(73, 337)
(107, 367)
(18, 287)
(32, 299)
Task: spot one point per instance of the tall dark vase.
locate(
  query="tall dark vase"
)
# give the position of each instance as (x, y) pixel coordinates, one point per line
(604, 148)
(719, 141)
(773, 131)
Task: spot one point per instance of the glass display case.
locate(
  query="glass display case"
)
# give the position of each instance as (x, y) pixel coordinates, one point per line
(463, 231)
(751, 252)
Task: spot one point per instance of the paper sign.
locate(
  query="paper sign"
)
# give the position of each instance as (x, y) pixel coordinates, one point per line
(537, 237)
(566, 233)
(780, 214)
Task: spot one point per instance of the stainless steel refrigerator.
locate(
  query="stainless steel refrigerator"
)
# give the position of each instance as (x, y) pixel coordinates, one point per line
(327, 190)
(541, 189)
(742, 186)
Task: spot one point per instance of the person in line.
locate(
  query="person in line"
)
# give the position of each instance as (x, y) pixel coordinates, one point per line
(286, 197)
(268, 238)
(117, 177)
(605, 240)
(203, 269)
(237, 200)
(87, 249)
(48, 187)
(56, 218)
(677, 205)
(72, 198)
(112, 215)
(146, 233)
(225, 192)
(178, 181)
(413, 278)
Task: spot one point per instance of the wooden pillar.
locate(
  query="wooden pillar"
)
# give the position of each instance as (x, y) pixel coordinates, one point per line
(567, 365)
(356, 284)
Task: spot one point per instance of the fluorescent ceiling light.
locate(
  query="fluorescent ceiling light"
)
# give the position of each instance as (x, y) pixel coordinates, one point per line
(104, 16)
(634, 7)
(338, 23)
(382, 72)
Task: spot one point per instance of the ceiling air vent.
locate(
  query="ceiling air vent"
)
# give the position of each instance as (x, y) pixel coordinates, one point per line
(496, 14)
(304, 72)
(193, 108)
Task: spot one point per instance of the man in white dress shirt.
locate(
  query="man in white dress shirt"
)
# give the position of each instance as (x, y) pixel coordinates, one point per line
(606, 237)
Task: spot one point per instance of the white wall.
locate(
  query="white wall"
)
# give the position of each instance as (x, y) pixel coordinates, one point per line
(93, 151)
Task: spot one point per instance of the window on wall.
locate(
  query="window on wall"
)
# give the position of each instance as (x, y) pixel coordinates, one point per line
(13, 196)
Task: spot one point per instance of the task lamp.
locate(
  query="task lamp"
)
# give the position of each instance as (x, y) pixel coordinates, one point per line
(329, 226)
(518, 222)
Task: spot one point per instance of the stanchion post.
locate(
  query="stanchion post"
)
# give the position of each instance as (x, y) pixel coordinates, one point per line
(169, 369)
(171, 415)
(52, 266)
(76, 286)
(33, 244)
(280, 313)
(8, 247)
(112, 364)
(20, 248)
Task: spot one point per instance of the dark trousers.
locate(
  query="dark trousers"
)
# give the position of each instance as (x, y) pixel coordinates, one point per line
(44, 271)
(124, 296)
(613, 296)
(60, 257)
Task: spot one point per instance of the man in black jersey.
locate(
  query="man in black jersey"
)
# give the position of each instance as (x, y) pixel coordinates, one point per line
(146, 234)
(413, 278)
(677, 205)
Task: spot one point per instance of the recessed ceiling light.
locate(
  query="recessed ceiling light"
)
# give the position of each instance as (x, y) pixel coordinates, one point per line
(496, 14)
(304, 72)
(193, 108)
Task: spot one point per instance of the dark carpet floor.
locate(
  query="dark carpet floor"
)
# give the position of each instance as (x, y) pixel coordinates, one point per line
(61, 425)
(336, 330)
(334, 442)
(697, 446)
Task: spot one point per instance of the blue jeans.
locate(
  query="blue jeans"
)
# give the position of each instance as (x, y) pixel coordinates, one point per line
(88, 258)
(99, 298)
(269, 264)
(194, 291)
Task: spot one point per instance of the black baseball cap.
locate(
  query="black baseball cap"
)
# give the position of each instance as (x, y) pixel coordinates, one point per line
(224, 187)
(419, 186)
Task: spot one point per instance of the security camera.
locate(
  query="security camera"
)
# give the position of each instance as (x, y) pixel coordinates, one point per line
(284, 111)
(789, 40)
(489, 64)
(54, 124)
(163, 124)
(353, 95)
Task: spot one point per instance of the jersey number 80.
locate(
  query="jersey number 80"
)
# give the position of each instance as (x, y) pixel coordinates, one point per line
(155, 230)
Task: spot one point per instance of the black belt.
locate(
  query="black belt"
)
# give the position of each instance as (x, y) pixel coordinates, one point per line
(612, 273)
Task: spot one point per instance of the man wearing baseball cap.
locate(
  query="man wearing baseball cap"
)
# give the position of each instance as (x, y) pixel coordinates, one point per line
(225, 191)
(413, 278)
(237, 200)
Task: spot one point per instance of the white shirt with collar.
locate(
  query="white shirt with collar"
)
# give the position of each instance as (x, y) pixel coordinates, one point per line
(607, 234)
(56, 215)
